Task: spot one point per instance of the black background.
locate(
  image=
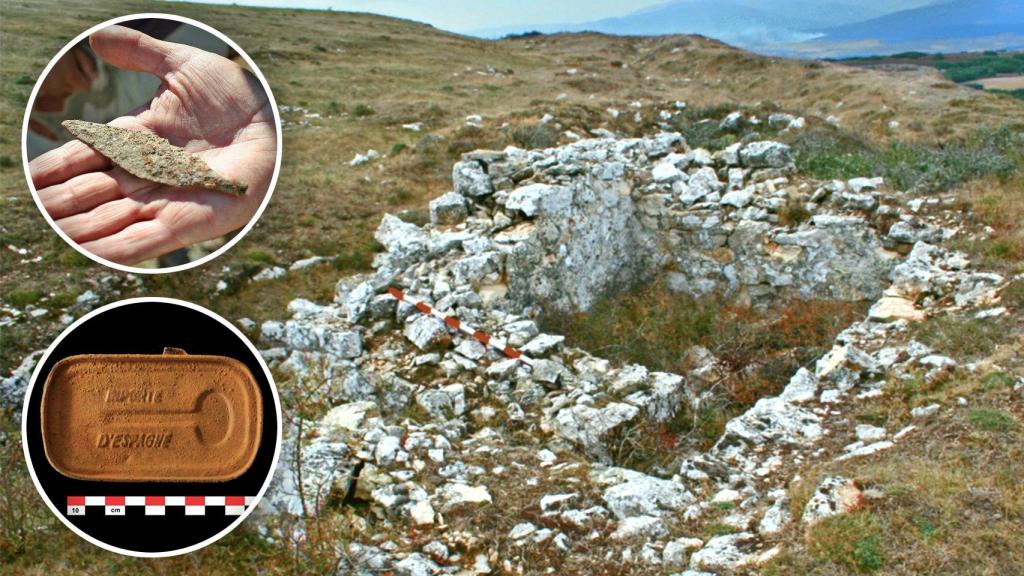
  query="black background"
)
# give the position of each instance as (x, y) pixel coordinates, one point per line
(146, 328)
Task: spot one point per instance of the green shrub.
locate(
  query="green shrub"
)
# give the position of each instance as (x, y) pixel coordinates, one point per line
(719, 530)
(853, 541)
(997, 380)
(700, 126)
(1016, 93)
(991, 420)
(533, 136)
(73, 258)
(257, 256)
(1013, 294)
(21, 297)
(989, 64)
(758, 351)
(360, 257)
(63, 299)
(362, 110)
(467, 138)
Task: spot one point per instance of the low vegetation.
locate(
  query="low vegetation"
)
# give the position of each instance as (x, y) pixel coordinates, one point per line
(947, 499)
(756, 351)
(994, 205)
(853, 541)
(828, 153)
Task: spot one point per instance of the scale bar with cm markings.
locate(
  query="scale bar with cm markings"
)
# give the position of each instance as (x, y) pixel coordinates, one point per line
(157, 505)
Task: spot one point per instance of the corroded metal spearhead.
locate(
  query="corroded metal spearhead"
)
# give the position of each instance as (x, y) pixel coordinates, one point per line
(150, 157)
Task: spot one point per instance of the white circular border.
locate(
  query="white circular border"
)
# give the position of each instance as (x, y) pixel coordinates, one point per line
(273, 179)
(62, 517)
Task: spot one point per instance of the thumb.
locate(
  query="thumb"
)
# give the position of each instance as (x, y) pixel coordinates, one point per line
(133, 50)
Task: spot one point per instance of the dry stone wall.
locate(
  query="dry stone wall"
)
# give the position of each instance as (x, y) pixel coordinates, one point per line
(570, 225)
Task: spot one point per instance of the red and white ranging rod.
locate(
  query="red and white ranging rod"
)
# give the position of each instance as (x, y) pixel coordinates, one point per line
(455, 323)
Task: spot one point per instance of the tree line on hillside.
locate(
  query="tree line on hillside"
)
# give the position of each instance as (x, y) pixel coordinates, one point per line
(984, 66)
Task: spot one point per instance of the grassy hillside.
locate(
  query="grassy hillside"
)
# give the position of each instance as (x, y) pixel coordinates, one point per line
(351, 81)
(366, 76)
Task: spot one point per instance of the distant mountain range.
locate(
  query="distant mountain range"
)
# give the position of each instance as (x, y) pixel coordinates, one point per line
(822, 28)
(955, 19)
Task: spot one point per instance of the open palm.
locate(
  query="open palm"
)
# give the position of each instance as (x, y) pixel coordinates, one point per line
(207, 104)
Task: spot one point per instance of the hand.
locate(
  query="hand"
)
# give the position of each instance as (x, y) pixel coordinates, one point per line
(74, 72)
(207, 104)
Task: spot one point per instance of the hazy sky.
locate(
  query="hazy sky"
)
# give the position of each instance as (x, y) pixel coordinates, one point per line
(471, 15)
(468, 15)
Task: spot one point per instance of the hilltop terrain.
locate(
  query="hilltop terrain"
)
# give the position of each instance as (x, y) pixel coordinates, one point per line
(943, 497)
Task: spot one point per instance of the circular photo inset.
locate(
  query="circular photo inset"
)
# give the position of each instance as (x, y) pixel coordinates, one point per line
(151, 427)
(151, 143)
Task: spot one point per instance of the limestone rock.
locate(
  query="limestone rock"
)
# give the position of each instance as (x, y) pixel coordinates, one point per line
(428, 333)
(535, 199)
(643, 495)
(448, 209)
(677, 552)
(403, 241)
(835, 495)
(765, 154)
(456, 494)
(589, 426)
(470, 180)
(726, 553)
(12, 388)
(648, 527)
(891, 308)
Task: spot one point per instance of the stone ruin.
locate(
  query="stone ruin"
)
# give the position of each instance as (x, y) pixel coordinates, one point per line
(597, 216)
(420, 417)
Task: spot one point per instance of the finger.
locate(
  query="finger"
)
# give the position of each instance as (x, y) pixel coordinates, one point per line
(89, 190)
(133, 50)
(104, 220)
(66, 162)
(138, 242)
(74, 158)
